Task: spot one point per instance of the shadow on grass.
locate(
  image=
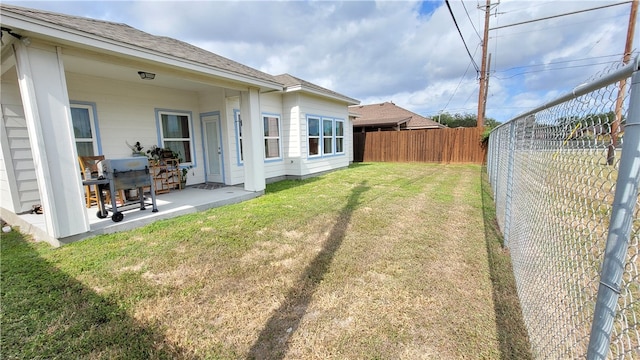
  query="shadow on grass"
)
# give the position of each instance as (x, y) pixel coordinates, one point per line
(288, 184)
(512, 333)
(47, 314)
(273, 341)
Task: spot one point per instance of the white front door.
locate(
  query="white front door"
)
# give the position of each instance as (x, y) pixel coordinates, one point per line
(213, 148)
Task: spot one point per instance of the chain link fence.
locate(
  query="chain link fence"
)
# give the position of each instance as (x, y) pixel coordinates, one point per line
(565, 183)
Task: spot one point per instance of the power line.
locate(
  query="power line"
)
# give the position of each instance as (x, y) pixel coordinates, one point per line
(559, 68)
(462, 37)
(559, 15)
(558, 62)
(471, 21)
(456, 89)
(555, 26)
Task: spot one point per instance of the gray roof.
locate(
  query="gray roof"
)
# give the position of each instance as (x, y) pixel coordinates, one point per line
(126, 34)
(290, 81)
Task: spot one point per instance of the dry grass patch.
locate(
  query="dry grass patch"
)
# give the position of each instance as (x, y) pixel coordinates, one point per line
(385, 261)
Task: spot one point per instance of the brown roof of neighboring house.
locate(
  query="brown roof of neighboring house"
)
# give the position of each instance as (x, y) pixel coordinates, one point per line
(292, 83)
(126, 34)
(389, 114)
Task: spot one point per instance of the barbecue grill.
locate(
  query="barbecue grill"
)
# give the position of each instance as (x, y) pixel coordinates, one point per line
(122, 174)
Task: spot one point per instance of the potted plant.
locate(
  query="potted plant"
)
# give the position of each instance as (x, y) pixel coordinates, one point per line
(183, 178)
(136, 149)
(156, 153)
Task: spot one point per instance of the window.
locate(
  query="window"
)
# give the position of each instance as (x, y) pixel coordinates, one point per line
(84, 130)
(339, 137)
(314, 136)
(327, 136)
(271, 136)
(176, 134)
(238, 126)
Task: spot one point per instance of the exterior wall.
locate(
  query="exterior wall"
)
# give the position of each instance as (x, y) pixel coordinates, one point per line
(129, 105)
(312, 105)
(132, 106)
(292, 136)
(293, 109)
(18, 184)
(211, 101)
(45, 96)
(349, 128)
(272, 104)
(234, 170)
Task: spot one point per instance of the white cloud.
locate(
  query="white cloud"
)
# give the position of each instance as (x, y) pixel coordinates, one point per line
(383, 51)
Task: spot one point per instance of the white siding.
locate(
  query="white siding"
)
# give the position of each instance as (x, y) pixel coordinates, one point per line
(210, 102)
(128, 105)
(292, 136)
(18, 183)
(126, 113)
(272, 104)
(312, 105)
(235, 173)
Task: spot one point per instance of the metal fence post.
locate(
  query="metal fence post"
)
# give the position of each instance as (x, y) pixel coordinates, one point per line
(509, 193)
(495, 137)
(622, 213)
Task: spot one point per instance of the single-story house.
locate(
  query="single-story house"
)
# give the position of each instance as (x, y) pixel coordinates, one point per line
(388, 116)
(78, 86)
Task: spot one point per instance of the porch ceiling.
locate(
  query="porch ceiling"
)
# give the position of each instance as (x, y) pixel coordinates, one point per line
(119, 70)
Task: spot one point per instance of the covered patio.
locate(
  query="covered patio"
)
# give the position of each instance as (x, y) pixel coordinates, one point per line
(175, 203)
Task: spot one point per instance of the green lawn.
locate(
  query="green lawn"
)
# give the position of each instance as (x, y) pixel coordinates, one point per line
(378, 261)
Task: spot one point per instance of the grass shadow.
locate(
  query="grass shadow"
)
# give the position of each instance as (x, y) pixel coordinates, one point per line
(273, 341)
(512, 334)
(281, 185)
(47, 314)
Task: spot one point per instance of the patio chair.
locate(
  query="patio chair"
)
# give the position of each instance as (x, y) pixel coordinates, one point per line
(89, 168)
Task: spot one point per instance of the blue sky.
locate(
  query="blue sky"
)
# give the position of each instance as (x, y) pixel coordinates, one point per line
(408, 52)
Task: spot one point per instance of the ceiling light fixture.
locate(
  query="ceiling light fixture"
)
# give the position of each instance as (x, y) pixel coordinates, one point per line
(146, 75)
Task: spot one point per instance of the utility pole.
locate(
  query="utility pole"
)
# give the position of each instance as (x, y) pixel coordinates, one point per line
(615, 125)
(486, 90)
(483, 70)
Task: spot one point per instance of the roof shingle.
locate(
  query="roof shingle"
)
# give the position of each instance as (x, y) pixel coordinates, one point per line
(126, 34)
(291, 81)
(389, 114)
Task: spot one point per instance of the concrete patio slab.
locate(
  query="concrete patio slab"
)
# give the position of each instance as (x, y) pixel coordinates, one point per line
(175, 203)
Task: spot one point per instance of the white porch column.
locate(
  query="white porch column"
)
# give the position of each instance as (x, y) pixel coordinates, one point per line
(45, 99)
(253, 140)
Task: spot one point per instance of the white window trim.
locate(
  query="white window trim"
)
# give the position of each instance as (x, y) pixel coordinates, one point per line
(279, 137)
(319, 137)
(237, 123)
(332, 137)
(336, 136)
(95, 133)
(162, 139)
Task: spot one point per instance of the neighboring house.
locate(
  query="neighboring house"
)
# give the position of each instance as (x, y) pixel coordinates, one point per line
(78, 86)
(388, 117)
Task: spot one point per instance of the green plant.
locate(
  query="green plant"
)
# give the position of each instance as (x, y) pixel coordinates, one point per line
(185, 172)
(156, 153)
(136, 149)
(484, 138)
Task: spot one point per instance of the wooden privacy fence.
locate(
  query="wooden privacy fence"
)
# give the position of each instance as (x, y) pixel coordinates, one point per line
(460, 145)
